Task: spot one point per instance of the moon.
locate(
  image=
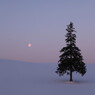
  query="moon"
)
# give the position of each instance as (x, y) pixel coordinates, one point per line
(29, 44)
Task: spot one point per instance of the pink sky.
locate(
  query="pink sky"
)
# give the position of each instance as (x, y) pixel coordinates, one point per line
(43, 23)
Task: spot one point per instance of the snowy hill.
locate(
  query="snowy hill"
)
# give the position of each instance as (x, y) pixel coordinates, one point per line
(21, 78)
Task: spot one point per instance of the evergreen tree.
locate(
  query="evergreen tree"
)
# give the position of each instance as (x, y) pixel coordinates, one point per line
(71, 59)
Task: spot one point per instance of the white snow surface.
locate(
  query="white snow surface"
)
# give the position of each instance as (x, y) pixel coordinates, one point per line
(22, 78)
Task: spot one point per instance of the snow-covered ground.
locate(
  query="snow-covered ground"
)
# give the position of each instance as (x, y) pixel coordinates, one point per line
(21, 78)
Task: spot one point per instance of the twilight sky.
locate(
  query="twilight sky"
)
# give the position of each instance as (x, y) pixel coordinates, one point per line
(42, 23)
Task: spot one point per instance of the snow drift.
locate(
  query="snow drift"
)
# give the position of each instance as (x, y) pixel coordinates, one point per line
(22, 78)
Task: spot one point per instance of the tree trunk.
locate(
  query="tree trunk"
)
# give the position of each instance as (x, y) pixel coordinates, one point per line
(71, 75)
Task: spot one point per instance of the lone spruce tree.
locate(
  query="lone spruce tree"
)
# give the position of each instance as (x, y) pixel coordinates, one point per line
(71, 59)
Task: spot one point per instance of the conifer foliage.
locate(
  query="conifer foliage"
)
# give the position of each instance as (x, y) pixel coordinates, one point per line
(71, 59)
